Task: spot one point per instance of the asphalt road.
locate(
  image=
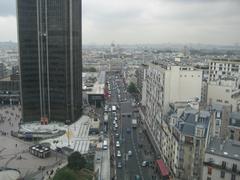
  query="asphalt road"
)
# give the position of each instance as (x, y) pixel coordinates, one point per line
(129, 141)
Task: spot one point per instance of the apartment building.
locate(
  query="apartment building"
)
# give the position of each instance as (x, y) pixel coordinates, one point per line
(219, 120)
(168, 84)
(234, 126)
(219, 68)
(190, 134)
(224, 83)
(225, 91)
(222, 160)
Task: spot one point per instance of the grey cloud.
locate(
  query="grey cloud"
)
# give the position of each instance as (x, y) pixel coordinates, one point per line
(7, 7)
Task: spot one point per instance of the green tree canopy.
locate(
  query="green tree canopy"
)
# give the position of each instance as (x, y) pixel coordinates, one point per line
(132, 88)
(64, 174)
(76, 161)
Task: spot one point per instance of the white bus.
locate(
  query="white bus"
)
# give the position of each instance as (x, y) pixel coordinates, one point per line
(114, 108)
(105, 145)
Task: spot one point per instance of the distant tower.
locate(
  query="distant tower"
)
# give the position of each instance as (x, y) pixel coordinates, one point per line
(49, 36)
(112, 48)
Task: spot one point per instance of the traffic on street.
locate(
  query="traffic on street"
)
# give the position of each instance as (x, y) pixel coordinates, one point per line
(131, 154)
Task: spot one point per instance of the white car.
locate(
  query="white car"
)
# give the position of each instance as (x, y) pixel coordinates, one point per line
(129, 153)
(117, 144)
(115, 118)
(119, 153)
(116, 125)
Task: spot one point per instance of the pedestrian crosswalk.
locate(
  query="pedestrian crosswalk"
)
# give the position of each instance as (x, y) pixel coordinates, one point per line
(82, 146)
(82, 142)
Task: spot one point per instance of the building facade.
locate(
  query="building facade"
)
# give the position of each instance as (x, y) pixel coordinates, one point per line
(220, 120)
(226, 92)
(224, 83)
(222, 160)
(234, 126)
(167, 84)
(219, 68)
(49, 35)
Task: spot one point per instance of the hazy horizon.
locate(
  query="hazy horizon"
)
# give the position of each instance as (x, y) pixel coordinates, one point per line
(147, 21)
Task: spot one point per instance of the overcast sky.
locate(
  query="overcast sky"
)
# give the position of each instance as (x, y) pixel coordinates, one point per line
(148, 21)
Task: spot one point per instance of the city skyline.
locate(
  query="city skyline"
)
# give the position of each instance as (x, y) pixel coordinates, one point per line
(148, 22)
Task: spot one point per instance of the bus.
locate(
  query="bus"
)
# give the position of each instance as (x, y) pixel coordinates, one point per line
(105, 145)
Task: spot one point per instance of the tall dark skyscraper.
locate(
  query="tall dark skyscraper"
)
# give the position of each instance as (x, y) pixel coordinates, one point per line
(49, 33)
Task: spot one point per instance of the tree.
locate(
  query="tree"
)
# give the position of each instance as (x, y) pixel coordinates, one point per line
(76, 161)
(132, 88)
(64, 174)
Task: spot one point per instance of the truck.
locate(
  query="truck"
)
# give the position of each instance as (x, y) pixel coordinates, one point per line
(134, 123)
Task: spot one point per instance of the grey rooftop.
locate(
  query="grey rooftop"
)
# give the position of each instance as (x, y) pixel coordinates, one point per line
(228, 148)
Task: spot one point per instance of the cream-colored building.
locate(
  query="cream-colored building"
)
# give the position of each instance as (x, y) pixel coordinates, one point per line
(219, 68)
(167, 84)
(224, 83)
(225, 91)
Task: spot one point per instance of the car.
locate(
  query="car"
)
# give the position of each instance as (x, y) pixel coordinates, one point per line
(117, 144)
(116, 125)
(119, 164)
(98, 159)
(106, 108)
(137, 177)
(114, 122)
(128, 130)
(129, 153)
(145, 163)
(119, 154)
(117, 135)
(115, 118)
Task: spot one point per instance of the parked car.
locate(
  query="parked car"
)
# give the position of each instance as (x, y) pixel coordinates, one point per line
(145, 163)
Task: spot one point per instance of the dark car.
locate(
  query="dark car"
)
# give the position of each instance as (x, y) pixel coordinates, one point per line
(128, 130)
(119, 165)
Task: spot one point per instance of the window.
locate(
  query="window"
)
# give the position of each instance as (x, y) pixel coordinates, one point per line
(226, 102)
(227, 90)
(222, 175)
(209, 170)
(234, 168)
(208, 178)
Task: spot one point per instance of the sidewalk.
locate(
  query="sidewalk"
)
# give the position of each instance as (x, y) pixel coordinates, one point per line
(50, 173)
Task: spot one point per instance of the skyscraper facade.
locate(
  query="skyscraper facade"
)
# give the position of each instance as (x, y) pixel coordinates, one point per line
(49, 33)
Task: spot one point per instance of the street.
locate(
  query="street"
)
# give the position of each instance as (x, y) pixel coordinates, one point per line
(130, 165)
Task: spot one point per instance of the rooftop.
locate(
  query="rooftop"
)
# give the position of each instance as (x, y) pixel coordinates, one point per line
(227, 60)
(228, 148)
(192, 119)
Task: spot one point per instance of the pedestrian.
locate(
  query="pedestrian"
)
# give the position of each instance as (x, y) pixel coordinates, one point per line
(16, 145)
